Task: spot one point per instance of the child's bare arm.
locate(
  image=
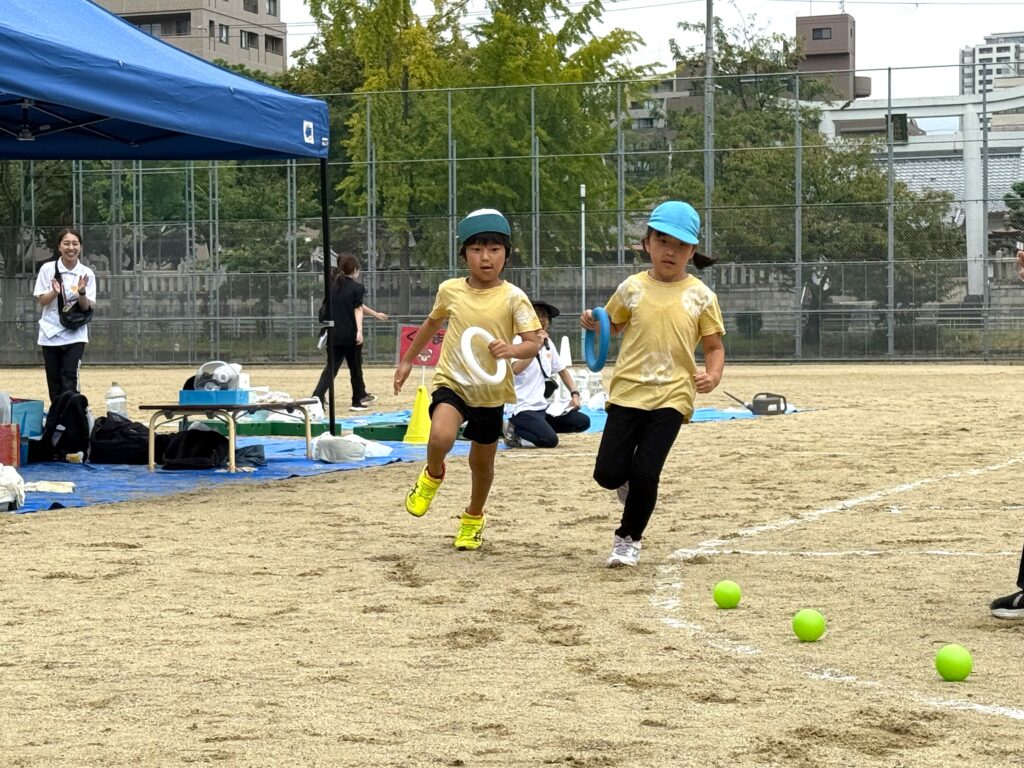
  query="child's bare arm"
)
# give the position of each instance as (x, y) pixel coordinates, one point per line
(714, 363)
(423, 335)
(527, 348)
(589, 322)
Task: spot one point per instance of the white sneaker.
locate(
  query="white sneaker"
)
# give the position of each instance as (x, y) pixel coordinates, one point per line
(622, 492)
(625, 551)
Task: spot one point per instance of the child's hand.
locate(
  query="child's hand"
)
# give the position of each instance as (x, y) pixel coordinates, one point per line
(705, 381)
(499, 349)
(401, 374)
(1020, 264)
(587, 321)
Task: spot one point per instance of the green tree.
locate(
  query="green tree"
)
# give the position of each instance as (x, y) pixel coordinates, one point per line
(844, 186)
(48, 183)
(1015, 202)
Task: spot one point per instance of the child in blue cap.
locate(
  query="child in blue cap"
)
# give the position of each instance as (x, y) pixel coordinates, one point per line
(483, 300)
(663, 314)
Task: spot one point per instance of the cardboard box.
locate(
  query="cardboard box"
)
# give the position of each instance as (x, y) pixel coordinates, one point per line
(10, 445)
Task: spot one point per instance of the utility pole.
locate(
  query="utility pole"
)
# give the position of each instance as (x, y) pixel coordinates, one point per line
(709, 123)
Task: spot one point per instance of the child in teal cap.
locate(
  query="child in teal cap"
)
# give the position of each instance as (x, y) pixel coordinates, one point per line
(664, 314)
(482, 300)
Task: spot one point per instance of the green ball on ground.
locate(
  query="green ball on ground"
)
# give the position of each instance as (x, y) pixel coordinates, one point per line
(808, 625)
(954, 662)
(727, 594)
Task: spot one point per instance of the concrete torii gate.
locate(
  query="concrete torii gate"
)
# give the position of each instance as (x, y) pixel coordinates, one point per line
(968, 142)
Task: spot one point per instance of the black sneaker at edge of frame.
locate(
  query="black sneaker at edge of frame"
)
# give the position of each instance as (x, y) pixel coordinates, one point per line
(1009, 607)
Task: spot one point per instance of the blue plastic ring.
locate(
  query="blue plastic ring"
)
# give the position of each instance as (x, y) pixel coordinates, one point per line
(596, 361)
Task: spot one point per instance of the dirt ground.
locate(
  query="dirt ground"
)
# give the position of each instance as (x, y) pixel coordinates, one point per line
(313, 622)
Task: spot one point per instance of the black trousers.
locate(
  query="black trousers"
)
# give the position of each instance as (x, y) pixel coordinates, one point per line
(62, 364)
(634, 447)
(352, 355)
(1020, 572)
(542, 430)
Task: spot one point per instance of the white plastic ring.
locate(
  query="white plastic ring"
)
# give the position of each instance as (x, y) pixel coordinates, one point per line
(473, 364)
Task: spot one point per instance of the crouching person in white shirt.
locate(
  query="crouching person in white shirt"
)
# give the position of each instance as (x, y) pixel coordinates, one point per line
(529, 423)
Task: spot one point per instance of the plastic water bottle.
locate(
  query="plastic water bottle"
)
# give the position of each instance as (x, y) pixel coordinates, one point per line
(117, 400)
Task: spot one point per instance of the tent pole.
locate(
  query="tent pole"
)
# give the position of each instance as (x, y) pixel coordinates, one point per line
(325, 225)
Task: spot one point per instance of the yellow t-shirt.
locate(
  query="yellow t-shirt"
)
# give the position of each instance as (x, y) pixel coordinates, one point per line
(664, 323)
(503, 311)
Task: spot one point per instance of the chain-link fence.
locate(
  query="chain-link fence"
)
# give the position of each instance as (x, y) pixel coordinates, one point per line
(828, 247)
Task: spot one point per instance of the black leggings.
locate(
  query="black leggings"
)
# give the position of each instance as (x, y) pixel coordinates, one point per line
(634, 447)
(61, 365)
(1020, 572)
(352, 354)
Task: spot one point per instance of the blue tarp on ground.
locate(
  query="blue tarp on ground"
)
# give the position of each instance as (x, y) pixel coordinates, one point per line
(286, 457)
(109, 483)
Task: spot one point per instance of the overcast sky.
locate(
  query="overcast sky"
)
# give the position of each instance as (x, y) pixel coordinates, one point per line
(889, 34)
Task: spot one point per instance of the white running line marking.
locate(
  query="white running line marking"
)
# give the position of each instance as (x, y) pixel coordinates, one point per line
(666, 590)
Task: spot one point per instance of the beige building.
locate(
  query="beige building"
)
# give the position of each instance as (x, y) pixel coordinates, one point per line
(830, 45)
(247, 32)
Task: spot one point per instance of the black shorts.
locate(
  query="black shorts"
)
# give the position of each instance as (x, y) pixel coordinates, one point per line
(483, 425)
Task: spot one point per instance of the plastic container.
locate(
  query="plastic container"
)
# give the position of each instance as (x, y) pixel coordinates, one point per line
(117, 400)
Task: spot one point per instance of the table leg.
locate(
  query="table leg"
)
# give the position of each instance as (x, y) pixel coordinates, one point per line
(309, 432)
(231, 442)
(152, 442)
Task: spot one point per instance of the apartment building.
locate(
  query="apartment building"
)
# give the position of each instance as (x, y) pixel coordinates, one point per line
(987, 66)
(247, 32)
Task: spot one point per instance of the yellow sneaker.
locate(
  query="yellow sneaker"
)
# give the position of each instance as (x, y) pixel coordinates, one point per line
(417, 501)
(471, 532)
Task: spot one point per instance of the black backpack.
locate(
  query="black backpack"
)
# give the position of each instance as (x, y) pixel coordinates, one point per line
(65, 431)
(195, 449)
(116, 439)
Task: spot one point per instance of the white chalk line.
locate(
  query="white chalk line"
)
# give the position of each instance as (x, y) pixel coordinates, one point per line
(835, 675)
(667, 588)
(865, 553)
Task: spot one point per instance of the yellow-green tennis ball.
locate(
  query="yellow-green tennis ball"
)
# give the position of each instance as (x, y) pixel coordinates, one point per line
(808, 625)
(727, 594)
(954, 662)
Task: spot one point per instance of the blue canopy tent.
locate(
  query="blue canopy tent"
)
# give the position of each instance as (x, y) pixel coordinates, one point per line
(79, 83)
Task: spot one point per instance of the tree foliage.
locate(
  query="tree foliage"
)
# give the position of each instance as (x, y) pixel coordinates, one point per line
(844, 184)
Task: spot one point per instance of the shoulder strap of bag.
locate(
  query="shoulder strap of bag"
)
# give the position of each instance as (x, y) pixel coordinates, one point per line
(544, 375)
(59, 279)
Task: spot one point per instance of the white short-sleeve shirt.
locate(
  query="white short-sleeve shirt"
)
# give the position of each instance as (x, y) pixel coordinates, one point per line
(51, 332)
(530, 383)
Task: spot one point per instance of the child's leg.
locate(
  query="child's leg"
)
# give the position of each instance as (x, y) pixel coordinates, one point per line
(621, 434)
(444, 429)
(481, 465)
(657, 435)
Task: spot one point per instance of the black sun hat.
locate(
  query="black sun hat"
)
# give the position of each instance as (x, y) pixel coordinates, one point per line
(551, 309)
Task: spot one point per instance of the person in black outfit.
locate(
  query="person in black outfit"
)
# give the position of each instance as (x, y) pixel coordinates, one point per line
(347, 310)
(1012, 606)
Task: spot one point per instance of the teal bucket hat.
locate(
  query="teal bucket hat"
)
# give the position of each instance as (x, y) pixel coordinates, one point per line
(483, 220)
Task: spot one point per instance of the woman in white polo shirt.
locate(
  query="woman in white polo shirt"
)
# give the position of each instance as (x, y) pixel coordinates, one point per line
(63, 347)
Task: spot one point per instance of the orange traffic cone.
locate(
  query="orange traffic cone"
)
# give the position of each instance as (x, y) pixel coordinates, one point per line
(419, 423)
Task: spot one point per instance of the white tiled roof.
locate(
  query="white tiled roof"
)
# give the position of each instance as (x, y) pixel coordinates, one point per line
(947, 175)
